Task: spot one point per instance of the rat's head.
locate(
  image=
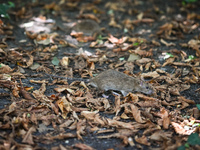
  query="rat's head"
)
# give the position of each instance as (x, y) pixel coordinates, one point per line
(145, 88)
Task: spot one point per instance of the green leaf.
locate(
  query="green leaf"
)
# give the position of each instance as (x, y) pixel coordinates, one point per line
(168, 55)
(198, 106)
(187, 145)
(181, 147)
(55, 61)
(184, 2)
(135, 44)
(99, 37)
(11, 4)
(191, 57)
(190, 1)
(194, 139)
(4, 8)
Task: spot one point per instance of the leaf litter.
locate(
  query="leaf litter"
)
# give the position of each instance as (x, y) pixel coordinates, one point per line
(48, 109)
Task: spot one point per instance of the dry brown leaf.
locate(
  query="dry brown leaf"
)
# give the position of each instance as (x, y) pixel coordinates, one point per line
(117, 105)
(136, 114)
(115, 40)
(169, 61)
(161, 135)
(62, 89)
(149, 103)
(28, 137)
(167, 44)
(5, 69)
(119, 124)
(113, 23)
(181, 130)
(181, 98)
(66, 124)
(64, 106)
(143, 60)
(153, 74)
(83, 146)
(93, 116)
(174, 91)
(81, 125)
(60, 136)
(142, 140)
(165, 116)
(146, 98)
(39, 81)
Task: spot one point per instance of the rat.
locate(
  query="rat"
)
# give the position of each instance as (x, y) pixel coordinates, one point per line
(88, 27)
(116, 81)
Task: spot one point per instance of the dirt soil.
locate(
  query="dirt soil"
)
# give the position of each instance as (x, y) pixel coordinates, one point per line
(151, 40)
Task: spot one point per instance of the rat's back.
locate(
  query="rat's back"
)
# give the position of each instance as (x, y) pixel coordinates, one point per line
(114, 80)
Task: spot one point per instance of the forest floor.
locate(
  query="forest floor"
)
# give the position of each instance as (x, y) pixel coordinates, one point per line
(155, 41)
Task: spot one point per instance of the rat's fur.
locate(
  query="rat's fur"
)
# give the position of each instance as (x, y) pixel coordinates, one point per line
(114, 80)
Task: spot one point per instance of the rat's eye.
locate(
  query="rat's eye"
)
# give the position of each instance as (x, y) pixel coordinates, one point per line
(147, 87)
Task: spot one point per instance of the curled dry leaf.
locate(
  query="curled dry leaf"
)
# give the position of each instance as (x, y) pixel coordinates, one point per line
(39, 81)
(66, 124)
(181, 130)
(5, 68)
(142, 52)
(169, 61)
(161, 135)
(149, 103)
(28, 137)
(121, 124)
(83, 146)
(64, 106)
(181, 98)
(174, 91)
(146, 98)
(80, 128)
(136, 114)
(25, 94)
(165, 118)
(113, 23)
(93, 116)
(142, 140)
(115, 40)
(153, 74)
(60, 136)
(167, 44)
(62, 89)
(143, 60)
